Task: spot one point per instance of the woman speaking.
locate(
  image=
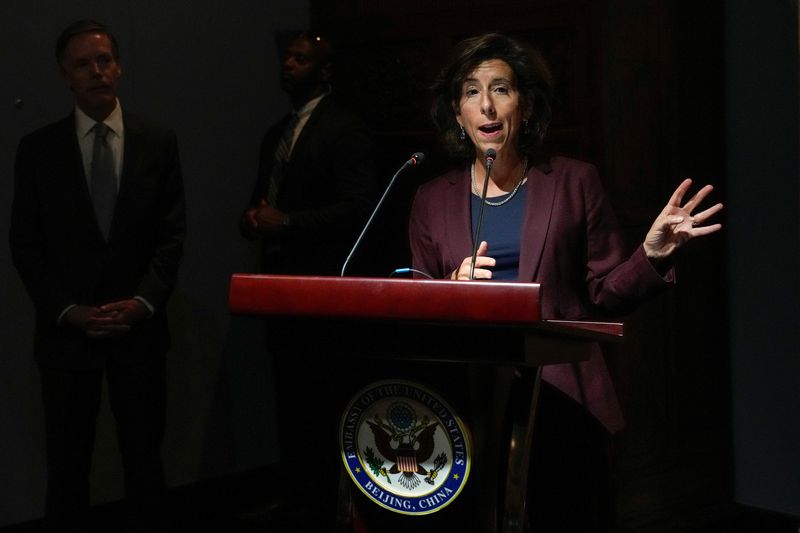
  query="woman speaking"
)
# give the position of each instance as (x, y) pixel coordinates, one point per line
(545, 219)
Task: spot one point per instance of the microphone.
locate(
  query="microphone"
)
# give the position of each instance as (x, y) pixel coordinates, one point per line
(489, 158)
(415, 159)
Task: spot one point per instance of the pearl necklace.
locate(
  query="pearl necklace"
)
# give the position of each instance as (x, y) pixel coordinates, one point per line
(510, 195)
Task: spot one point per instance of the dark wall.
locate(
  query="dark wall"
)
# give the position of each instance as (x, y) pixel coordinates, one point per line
(208, 69)
(763, 235)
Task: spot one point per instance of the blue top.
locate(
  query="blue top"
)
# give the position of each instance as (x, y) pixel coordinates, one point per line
(502, 227)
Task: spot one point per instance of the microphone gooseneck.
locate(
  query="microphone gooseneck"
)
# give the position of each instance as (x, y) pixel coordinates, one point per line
(489, 158)
(415, 159)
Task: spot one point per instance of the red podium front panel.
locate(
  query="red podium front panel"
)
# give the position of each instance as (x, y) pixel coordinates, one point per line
(480, 345)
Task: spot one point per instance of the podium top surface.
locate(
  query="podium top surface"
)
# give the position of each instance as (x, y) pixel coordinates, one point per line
(385, 299)
(430, 301)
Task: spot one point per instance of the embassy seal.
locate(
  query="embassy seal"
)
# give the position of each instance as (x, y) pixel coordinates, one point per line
(404, 447)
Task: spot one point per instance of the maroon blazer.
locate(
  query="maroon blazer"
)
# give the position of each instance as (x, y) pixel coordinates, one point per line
(570, 243)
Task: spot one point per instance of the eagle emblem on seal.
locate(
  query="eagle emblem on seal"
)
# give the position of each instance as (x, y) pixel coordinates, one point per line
(406, 443)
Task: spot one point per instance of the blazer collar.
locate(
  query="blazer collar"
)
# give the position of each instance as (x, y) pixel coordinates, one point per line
(69, 151)
(316, 113)
(458, 214)
(540, 195)
(133, 144)
(538, 214)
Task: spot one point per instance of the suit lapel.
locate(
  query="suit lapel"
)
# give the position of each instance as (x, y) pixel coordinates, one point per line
(310, 125)
(72, 153)
(68, 166)
(457, 207)
(538, 214)
(127, 181)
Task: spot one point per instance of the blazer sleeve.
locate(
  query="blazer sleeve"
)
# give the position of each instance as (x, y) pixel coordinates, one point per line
(41, 278)
(615, 282)
(162, 271)
(265, 158)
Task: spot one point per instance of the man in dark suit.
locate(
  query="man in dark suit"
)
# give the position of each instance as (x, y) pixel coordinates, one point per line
(314, 190)
(96, 235)
(315, 183)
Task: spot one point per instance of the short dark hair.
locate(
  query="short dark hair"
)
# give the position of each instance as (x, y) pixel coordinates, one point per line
(533, 81)
(84, 26)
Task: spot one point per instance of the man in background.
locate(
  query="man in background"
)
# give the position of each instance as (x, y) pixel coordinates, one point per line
(315, 183)
(314, 192)
(97, 229)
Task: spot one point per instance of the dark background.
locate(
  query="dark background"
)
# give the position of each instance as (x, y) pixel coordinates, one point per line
(650, 91)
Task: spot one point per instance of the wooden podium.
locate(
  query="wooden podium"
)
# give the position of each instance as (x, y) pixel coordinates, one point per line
(481, 345)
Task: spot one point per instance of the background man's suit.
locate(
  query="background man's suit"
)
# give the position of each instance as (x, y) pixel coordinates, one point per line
(327, 190)
(63, 259)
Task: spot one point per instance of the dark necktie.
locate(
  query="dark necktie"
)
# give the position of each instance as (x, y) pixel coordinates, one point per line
(280, 159)
(103, 179)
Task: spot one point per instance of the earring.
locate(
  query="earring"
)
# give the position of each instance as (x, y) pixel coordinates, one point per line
(462, 134)
(525, 129)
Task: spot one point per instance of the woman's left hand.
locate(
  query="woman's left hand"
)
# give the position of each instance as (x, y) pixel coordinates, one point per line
(676, 225)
